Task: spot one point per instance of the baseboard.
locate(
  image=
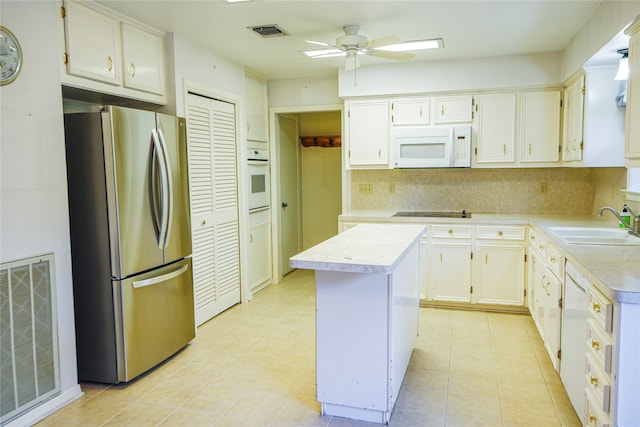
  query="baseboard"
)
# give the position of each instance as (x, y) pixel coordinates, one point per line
(497, 308)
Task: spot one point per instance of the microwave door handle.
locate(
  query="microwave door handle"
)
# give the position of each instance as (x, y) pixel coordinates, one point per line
(168, 199)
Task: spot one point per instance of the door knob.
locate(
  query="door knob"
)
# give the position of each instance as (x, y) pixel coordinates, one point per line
(284, 204)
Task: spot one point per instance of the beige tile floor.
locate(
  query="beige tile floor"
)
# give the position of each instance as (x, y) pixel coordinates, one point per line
(254, 365)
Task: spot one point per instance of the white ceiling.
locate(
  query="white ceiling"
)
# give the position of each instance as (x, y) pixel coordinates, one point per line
(469, 28)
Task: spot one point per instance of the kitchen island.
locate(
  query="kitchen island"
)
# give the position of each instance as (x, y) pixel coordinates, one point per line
(367, 304)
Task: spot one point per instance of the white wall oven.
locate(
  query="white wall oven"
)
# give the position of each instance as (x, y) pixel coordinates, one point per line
(258, 169)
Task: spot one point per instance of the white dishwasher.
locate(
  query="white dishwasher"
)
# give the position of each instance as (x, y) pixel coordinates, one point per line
(574, 336)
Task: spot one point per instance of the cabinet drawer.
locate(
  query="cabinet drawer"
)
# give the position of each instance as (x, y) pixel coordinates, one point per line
(600, 346)
(554, 259)
(500, 232)
(451, 231)
(600, 309)
(599, 384)
(593, 416)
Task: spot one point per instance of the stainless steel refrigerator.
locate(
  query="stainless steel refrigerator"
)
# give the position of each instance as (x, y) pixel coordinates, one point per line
(130, 240)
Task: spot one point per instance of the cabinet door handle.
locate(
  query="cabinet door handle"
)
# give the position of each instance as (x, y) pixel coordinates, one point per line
(592, 418)
(451, 232)
(595, 345)
(529, 148)
(500, 233)
(594, 381)
(250, 238)
(132, 69)
(440, 257)
(596, 307)
(421, 111)
(203, 222)
(486, 258)
(442, 111)
(109, 63)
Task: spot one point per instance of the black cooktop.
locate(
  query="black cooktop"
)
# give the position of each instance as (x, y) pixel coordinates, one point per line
(434, 214)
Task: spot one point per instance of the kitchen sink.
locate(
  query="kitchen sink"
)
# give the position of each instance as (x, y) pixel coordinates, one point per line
(595, 236)
(435, 214)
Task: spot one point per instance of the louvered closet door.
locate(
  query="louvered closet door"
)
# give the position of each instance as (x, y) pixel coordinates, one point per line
(213, 180)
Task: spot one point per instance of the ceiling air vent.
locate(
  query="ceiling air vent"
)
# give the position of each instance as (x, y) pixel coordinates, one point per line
(269, 30)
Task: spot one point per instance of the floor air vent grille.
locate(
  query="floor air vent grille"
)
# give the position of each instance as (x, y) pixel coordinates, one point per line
(29, 373)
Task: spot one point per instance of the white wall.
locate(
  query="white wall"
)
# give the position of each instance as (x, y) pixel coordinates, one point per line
(34, 215)
(196, 64)
(610, 17)
(303, 92)
(453, 75)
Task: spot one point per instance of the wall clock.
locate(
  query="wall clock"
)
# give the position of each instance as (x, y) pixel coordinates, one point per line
(10, 56)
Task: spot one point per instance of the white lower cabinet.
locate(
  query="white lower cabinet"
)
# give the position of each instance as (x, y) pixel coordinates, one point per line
(450, 271)
(259, 273)
(599, 373)
(449, 263)
(500, 265)
(486, 270)
(500, 274)
(545, 292)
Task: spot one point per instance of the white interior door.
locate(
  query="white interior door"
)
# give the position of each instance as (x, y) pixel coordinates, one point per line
(213, 181)
(289, 203)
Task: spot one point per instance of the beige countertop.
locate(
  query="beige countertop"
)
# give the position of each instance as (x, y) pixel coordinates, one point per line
(615, 267)
(368, 248)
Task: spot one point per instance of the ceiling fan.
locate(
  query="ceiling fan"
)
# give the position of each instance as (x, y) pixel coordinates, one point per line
(352, 44)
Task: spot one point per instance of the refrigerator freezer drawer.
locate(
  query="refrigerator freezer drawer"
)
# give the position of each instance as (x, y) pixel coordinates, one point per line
(157, 317)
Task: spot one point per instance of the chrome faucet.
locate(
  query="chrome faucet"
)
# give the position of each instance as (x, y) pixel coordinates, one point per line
(634, 228)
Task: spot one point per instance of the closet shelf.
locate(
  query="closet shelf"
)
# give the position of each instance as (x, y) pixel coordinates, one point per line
(321, 141)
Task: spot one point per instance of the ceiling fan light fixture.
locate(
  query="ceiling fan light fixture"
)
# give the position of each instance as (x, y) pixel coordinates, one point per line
(414, 45)
(623, 67)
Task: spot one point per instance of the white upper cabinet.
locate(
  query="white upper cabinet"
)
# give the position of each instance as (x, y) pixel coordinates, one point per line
(593, 128)
(109, 53)
(495, 121)
(142, 60)
(410, 111)
(452, 109)
(256, 94)
(632, 146)
(572, 141)
(540, 126)
(92, 44)
(368, 134)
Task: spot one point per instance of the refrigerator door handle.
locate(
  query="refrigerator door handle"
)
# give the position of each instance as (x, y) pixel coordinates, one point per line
(159, 155)
(169, 212)
(160, 279)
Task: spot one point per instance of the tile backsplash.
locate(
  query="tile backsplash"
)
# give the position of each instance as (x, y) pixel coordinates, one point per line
(579, 191)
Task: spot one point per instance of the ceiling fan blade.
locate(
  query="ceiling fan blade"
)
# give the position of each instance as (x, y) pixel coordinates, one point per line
(401, 56)
(329, 52)
(381, 42)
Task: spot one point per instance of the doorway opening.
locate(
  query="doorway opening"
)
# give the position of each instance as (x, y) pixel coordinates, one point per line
(306, 184)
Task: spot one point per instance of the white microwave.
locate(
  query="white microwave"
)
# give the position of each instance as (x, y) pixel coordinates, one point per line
(432, 147)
